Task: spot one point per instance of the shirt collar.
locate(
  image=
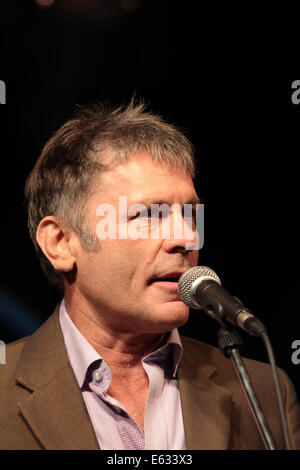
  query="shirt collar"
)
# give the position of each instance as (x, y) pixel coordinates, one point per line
(167, 356)
(82, 354)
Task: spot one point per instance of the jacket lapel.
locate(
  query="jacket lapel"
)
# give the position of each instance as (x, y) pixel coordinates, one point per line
(206, 406)
(54, 408)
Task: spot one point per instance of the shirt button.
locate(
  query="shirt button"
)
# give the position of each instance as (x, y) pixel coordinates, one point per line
(97, 375)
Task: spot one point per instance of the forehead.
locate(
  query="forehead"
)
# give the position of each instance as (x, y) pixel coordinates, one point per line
(142, 178)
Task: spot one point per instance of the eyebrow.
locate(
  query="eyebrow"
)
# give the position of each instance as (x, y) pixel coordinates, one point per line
(195, 200)
(149, 202)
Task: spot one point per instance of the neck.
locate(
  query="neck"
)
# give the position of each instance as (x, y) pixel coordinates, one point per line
(118, 347)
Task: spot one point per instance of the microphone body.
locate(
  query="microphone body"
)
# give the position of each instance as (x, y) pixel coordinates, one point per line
(200, 288)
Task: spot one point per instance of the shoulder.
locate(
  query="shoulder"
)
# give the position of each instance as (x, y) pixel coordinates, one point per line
(199, 353)
(8, 369)
(31, 347)
(206, 363)
(13, 351)
(198, 350)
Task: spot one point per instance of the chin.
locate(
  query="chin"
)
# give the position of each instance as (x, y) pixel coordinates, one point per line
(171, 315)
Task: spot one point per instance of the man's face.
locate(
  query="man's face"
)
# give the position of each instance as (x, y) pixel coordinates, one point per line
(125, 282)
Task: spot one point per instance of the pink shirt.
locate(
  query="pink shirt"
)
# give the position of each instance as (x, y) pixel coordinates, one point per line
(115, 429)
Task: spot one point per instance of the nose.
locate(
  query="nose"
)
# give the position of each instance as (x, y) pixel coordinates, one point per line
(183, 235)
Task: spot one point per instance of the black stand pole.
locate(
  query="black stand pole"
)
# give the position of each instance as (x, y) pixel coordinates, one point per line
(230, 344)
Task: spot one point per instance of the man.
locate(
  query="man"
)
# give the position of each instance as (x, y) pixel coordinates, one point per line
(108, 369)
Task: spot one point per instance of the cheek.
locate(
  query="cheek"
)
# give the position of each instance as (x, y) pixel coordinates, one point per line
(195, 256)
(88, 269)
(116, 261)
(119, 265)
(192, 258)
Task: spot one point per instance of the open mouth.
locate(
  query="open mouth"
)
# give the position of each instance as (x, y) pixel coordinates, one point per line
(170, 278)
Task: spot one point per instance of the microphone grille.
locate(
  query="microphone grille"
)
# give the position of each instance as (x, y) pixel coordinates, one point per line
(186, 280)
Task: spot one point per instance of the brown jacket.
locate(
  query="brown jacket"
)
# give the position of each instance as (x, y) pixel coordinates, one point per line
(41, 406)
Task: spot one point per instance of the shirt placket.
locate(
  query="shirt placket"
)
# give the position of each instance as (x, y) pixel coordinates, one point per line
(155, 422)
(130, 433)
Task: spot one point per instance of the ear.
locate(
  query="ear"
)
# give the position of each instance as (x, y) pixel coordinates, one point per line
(55, 240)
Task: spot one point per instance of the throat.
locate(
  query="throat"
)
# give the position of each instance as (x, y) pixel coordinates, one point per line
(132, 395)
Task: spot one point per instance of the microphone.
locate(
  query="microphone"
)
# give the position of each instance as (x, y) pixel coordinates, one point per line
(200, 288)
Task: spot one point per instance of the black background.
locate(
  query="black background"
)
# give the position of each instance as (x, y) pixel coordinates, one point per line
(215, 85)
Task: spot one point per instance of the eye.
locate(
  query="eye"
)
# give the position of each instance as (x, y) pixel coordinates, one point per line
(190, 212)
(141, 214)
(190, 217)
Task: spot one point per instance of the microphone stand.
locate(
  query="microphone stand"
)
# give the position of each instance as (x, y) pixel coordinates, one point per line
(230, 343)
